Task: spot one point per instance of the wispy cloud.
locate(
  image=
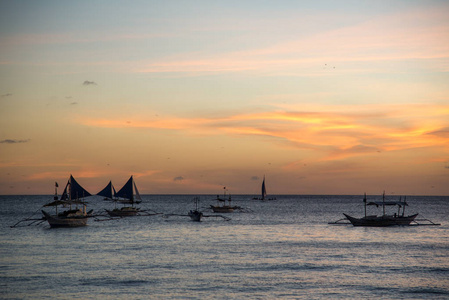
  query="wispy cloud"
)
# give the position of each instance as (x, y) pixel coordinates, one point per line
(179, 178)
(6, 95)
(336, 131)
(12, 141)
(397, 37)
(145, 173)
(442, 132)
(81, 173)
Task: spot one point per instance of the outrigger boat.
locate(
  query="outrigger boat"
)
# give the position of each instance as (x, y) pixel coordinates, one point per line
(73, 194)
(221, 206)
(129, 195)
(384, 220)
(196, 215)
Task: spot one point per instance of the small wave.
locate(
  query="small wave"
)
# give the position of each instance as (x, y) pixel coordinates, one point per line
(115, 282)
(288, 267)
(419, 269)
(434, 291)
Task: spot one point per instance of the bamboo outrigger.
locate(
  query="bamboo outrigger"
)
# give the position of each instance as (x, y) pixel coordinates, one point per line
(397, 219)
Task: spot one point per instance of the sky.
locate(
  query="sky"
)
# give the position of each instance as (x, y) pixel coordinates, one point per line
(320, 97)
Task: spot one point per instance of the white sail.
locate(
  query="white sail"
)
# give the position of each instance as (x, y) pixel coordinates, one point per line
(137, 192)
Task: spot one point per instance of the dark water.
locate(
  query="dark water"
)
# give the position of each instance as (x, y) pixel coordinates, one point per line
(276, 249)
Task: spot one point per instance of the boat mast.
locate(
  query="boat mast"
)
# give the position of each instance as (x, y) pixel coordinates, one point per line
(263, 188)
(224, 196)
(56, 191)
(383, 203)
(132, 191)
(405, 203)
(196, 199)
(70, 191)
(56, 197)
(364, 201)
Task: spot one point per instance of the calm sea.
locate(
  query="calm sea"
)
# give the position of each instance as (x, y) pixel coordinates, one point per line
(274, 249)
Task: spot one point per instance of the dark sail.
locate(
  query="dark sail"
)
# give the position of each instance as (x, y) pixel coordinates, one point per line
(126, 191)
(76, 190)
(107, 191)
(64, 195)
(264, 191)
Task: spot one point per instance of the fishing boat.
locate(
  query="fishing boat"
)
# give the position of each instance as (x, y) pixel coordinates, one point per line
(221, 206)
(384, 220)
(263, 193)
(73, 195)
(195, 215)
(128, 194)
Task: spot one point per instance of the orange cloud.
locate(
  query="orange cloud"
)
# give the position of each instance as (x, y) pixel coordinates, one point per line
(167, 123)
(64, 174)
(336, 132)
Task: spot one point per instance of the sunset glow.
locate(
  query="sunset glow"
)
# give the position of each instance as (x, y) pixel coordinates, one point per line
(321, 98)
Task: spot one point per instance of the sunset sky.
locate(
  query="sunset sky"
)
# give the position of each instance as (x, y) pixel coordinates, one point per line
(321, 97)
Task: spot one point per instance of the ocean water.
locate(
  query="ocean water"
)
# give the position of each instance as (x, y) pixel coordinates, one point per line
(282, 249)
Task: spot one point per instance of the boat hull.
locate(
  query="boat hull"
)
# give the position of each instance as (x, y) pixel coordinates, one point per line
(382, 221)
(57, 221)
(195, 215)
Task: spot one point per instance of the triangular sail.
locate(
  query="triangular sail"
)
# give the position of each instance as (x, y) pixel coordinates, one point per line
(107, 191)
(73, 191)
(264, 191)
(64, 195)
(126, 191)
(76, 190)
(139, 199)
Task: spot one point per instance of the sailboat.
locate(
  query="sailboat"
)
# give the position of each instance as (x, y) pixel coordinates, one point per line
(108, 192)
(384, 220)
(73, 194)
(128, 194)
(222, 207)
(263, 192)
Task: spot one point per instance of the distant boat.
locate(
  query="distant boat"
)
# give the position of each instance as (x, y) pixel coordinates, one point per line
(128, 194)
(384, 220)
(108, 192)
(73, 194)
(221, 206)
(196, 215)
(263, 193)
